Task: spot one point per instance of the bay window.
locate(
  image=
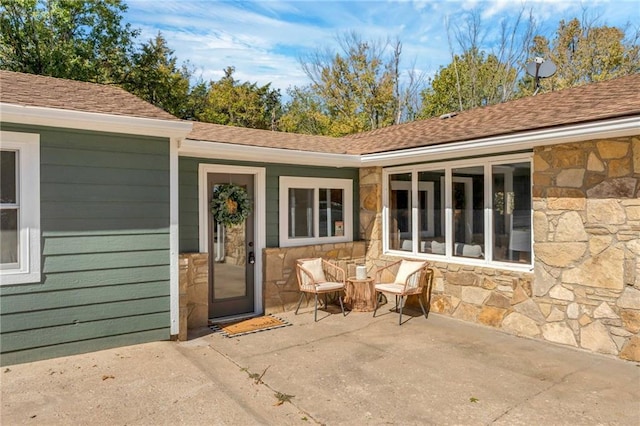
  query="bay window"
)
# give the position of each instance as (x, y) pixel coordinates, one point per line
(476, 210)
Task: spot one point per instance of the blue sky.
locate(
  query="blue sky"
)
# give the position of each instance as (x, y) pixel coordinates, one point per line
(264, 39)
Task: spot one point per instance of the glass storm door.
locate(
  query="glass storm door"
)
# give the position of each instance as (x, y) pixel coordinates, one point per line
(231, 255)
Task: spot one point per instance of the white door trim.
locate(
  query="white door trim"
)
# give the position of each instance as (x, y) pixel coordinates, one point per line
(259, 207)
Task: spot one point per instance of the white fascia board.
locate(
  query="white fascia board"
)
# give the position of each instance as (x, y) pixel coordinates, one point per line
(229, 151)
(52, 117)
(500, 144)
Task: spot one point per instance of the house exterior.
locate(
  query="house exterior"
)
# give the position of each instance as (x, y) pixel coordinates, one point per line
(528, 212)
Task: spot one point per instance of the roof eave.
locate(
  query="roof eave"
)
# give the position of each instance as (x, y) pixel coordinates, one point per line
(228, 151)
(611, 128)
(53, 117)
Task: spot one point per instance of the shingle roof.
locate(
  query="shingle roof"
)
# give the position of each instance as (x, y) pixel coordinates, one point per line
(599, 101)
(605, 100)
(266, 138)
(593, 102)
(49, 92)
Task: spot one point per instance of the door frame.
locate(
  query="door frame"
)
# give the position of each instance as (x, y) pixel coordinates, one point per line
(259, 197)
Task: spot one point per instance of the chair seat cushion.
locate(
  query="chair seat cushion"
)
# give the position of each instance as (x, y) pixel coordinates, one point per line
(329, 286)
(396, 288)
(390, 287)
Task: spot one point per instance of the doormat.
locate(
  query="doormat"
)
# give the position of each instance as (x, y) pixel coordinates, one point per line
(252, 325)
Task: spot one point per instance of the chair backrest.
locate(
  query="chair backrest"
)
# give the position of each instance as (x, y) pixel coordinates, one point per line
(410, 273)
(310, 272)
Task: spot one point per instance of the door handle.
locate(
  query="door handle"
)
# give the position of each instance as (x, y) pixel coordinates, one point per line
(252, 258)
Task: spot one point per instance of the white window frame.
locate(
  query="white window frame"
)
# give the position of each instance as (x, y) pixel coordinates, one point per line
(27, 146)
(487, 163)
(294, 182)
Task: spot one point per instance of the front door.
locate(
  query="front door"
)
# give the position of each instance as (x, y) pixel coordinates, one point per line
(231, 255)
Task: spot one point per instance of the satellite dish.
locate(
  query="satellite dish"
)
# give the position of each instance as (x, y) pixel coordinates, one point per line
(540, 68)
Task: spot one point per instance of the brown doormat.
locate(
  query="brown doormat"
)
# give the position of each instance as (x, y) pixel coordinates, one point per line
(252, 325)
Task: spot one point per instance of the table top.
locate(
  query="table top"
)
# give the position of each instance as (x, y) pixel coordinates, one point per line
(356, 280)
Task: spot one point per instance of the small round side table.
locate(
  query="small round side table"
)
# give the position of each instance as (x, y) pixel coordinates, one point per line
(360, 295)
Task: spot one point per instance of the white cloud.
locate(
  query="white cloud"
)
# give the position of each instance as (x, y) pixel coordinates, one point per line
(263, 39)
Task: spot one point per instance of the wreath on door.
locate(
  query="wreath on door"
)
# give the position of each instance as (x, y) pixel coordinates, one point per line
(230, 204)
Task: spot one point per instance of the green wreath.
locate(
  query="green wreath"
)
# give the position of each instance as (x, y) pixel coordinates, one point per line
(230, 204)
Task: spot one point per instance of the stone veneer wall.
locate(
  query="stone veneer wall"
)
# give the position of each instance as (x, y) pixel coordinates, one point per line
(194, 292)
(280, 282)
(585, 289)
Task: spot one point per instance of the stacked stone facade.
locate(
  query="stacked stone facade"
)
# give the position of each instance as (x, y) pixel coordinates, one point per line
(585, 287)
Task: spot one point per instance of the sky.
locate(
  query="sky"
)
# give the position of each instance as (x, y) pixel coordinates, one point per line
(265, 39)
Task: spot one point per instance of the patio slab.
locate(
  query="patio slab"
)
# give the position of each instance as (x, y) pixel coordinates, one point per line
(340, 370)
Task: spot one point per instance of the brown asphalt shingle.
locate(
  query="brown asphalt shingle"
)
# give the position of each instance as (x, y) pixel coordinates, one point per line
(588, 103)
(49, 92)
(266, 138)
(605, 100)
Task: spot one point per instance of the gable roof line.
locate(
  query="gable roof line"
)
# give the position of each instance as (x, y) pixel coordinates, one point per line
(95, 121)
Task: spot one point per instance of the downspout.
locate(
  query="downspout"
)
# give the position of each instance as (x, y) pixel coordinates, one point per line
(174, 242)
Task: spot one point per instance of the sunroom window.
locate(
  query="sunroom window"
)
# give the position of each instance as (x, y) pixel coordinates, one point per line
(475, 211)
(315, 210)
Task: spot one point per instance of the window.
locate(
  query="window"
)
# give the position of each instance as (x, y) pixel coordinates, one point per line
(19, 208)
(315, 210)
(477, 210)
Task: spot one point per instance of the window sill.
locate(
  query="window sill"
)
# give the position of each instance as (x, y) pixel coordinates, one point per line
(465, 261)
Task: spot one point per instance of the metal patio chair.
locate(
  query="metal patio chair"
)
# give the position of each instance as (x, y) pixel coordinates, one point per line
(411, 278)
(318, 276)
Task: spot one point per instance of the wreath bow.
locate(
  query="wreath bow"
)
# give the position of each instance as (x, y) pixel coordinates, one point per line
(230, 204)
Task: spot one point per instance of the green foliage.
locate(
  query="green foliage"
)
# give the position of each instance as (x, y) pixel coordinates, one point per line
(471, 80)
(352, 91)
(584, 53)
(232, 103)
(155, 78)
(74, 39)
(230, 204)
(304, 113)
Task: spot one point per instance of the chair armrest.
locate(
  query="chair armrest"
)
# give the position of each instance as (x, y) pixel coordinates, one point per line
(384, 269)
(338, 273)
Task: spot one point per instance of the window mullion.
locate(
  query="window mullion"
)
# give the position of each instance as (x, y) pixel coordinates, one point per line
(316, 212)
(448, 213)
(415, 231)
(488, 213)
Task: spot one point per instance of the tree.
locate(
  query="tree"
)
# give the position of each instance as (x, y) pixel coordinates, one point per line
(155, 78)
(232, 103)
(479, 76)
(356, 89)
(304, 113)
(74, 39)
(585, 53)
(468, 82)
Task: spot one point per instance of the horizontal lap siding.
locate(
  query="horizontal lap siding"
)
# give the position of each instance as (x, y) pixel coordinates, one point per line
(188, 179)
(105, 249)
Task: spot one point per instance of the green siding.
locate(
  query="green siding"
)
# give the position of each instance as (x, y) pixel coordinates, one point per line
(105, 248)
(189, 195)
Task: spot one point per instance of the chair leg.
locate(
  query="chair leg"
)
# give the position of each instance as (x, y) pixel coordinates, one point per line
(400, 318)
(396, 303)
(377, 301)
(315, 310)
(422, 307)
(341, 305)
(300, 302)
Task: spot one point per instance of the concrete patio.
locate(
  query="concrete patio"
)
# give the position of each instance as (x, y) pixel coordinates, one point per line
(340, 370)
